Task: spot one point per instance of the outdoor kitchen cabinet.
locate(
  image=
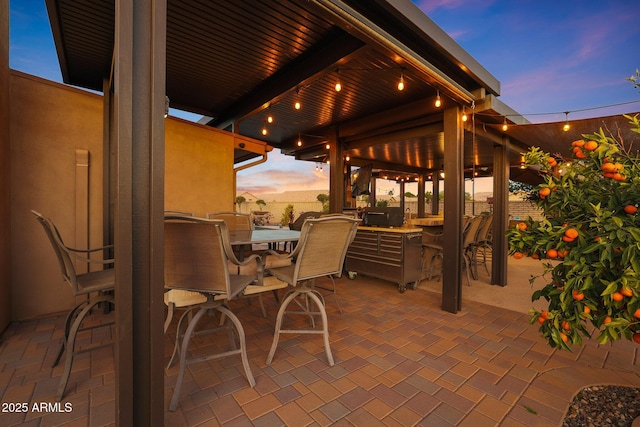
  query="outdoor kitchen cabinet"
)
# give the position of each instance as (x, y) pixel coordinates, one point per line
(392, 254)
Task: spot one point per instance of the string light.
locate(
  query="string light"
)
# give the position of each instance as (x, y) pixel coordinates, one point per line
(269, 118)
(464, 114)
(504, 124)
(438, 102)
(265, 131)
(338, 86)
(299, 141)
(297, 105)
(327, 146)
(401, 82)
(566, 126)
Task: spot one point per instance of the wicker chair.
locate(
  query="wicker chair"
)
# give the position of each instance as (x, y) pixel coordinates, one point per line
(197, 252)
(97, 286)
(320, 252)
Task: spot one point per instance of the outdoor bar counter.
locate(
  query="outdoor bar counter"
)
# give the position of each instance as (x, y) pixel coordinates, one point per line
(388, 253)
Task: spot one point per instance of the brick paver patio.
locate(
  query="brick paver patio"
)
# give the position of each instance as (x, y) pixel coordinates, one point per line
(400, 360)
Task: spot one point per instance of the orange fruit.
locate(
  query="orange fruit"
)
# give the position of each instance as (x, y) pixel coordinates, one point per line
(590, 145)
(637, 314)
(580, 154)
(619, 177)
(578, 296)
(608, 174)
(578, 143)
(551, 160)
(608, 167)
(606, 320)
(552, 253)
(545, 314)
(618, 167)
(627, 292)
(566, 326)
(544, 192)
(631, 209)
(535, 256)
(541, 320)
(636, 337)
(617, 296)
(568, 239)
(522, 226)
(517, 255)
(564, 337)
(586, 310)
(571, 233)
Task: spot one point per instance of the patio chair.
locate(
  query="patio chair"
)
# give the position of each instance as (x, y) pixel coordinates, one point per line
(433, 249)
(468, 245)
(483, 242)
(235, 221)
(97, 286)
(320, 252)
(197, 252)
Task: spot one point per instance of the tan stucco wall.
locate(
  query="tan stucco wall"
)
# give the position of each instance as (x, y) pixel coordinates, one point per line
(198, 165)
(48, 123)
(5, 185)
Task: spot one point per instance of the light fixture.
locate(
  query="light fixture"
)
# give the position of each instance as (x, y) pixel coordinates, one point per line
(297, 105)
(347, 158)
(464, 114)
(299, 141)
(166, 106)
(327, 146)
(338, 86)
(265, 131)
(566, 126)
(438, 101)
(504, 124)
(522, 163)
(442, 174)
(269, 118)
(401, 82)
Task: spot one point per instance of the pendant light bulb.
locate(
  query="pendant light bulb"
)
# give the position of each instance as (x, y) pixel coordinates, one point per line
(264, 131)
(269, 118)
(566, 126)
(297, 105)
(504, 124)
(338, 86)
(438, 101)
(299, 141)
(464, 115)
(401, 82)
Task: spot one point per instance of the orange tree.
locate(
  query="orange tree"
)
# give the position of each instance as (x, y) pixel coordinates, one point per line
(589, 240)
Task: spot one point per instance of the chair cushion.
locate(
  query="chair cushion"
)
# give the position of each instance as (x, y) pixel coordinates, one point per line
(182, 298)
(269, 283)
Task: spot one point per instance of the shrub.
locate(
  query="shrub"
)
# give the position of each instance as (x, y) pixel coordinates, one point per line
(589, 239)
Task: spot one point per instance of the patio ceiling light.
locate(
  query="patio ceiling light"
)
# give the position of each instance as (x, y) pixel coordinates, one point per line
(438, 103)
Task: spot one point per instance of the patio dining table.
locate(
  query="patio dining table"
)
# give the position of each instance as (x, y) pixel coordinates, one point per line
(240, 238)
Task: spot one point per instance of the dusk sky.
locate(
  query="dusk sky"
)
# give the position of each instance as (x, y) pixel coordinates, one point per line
(550, 57)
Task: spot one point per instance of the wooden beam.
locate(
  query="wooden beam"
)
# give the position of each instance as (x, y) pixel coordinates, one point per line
(453, 210)
(500, 213)
(313, 61)
(139, 94)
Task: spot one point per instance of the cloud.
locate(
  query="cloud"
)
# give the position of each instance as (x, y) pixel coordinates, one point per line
(276, 180)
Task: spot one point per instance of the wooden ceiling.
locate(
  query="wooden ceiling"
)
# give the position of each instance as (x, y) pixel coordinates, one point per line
(238, 62)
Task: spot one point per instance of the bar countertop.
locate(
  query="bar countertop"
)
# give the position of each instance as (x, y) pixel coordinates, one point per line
(403, 229)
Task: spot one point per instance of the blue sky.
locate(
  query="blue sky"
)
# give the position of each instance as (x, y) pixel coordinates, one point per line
(549, 57)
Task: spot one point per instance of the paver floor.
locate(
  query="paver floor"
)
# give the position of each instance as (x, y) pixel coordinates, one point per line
(400, 360)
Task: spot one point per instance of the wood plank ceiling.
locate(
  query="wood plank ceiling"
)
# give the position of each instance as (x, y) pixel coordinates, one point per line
(238, 62)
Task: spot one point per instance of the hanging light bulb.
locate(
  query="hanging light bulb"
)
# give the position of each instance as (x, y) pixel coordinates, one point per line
(297, 105)
(327, 146)
(299, 141)
(264, 131)
(338, 86)
(438, 102)
(504, 124)
(347, 158)
(566, 126)
(401, 82)
(269, 118)
(464, 114)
